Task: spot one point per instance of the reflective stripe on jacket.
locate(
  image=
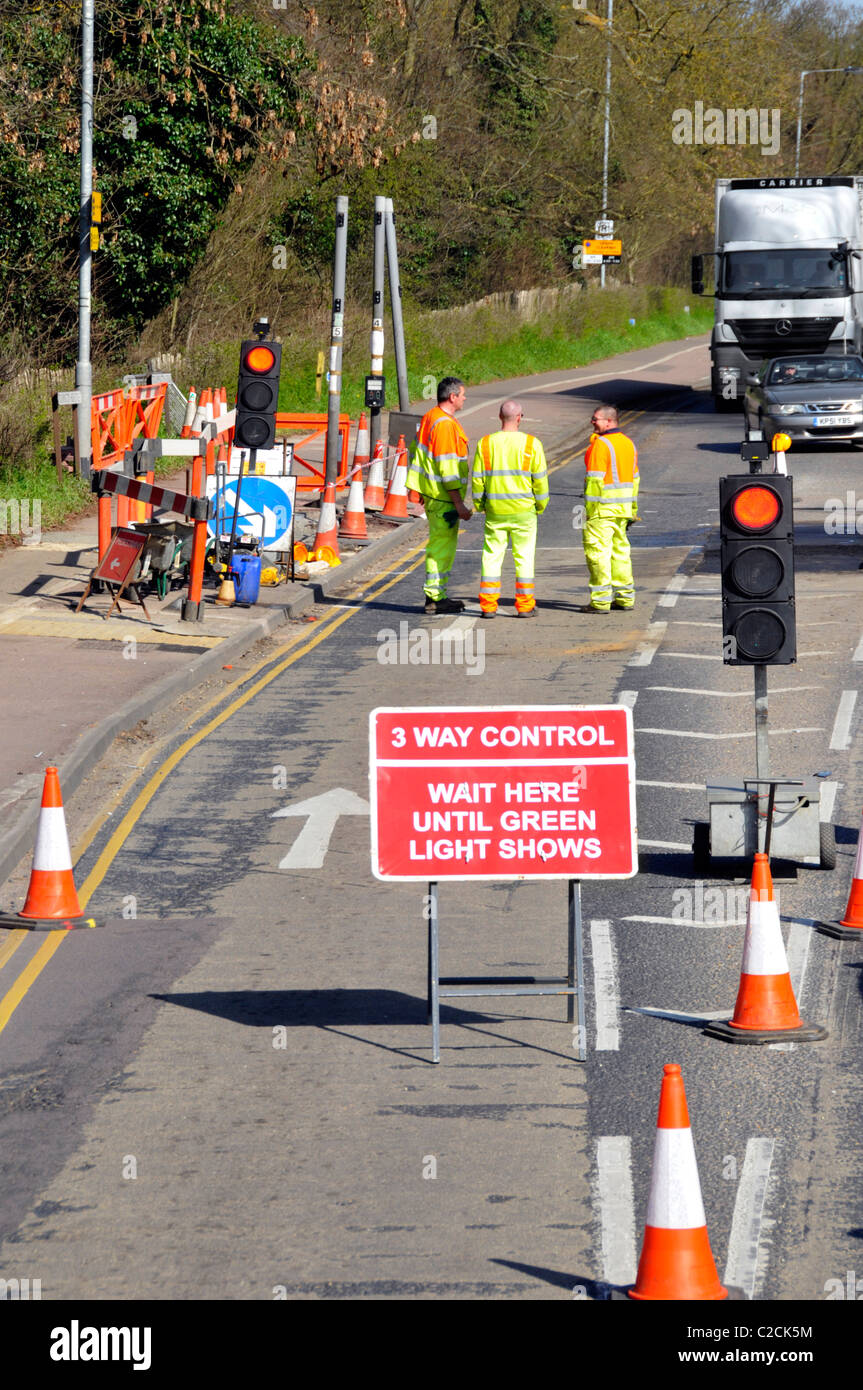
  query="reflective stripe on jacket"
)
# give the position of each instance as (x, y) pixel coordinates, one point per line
(438, 459)
(509, 474)
(611, 475)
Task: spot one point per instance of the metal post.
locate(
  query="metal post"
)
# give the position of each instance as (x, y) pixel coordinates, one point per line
(434, 972)
(575, 971)
(799, 124)
(396, 307)
(606, 135)
(83, 366)
(377, 342)
(762, 771)
(336, 342)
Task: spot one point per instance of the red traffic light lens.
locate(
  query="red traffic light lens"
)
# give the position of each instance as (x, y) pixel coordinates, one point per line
(260, 359)
(756, 508)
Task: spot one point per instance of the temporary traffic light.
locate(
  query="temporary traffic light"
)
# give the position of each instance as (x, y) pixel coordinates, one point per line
(757, 558)
(257, 394)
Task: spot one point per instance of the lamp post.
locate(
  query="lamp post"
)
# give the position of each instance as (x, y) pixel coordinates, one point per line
(809, 73)
(606, 135)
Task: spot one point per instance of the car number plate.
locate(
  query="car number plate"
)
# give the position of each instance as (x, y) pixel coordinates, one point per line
(835, 420)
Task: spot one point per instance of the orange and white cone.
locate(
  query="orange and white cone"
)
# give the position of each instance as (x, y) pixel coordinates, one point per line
(766, 1009)
(850, 927)
(375, 490)
(353, 523)
(51, 897)
(676, 1259)
(328, 531)
(396, 505)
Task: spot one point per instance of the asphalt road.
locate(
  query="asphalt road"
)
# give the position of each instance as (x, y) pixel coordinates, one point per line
(227, 1092)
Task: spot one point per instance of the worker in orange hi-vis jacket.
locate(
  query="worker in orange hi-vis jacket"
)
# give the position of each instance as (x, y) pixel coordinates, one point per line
(611, 505)
(438, 471)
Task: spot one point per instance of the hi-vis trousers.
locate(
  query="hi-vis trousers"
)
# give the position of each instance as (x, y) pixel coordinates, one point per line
(609, 561)
(441, 545)
(521, 530)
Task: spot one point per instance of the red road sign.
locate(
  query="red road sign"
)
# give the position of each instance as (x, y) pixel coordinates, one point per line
(503, 792)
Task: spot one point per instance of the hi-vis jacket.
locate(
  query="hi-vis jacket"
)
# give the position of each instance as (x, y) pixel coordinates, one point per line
(611, 476)
(439, 457)
(509, 474)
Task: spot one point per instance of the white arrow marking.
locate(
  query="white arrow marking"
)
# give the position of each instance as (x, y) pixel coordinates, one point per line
(310, 847)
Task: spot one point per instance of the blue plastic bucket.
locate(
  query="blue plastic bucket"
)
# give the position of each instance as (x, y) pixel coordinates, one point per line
(246, 570)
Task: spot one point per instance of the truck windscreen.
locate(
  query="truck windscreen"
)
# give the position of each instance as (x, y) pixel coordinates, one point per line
(793, 272)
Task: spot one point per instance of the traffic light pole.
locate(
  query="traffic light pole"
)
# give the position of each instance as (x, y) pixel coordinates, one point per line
(762, 761)
(377, 342)
(396, 307)
(336, 343)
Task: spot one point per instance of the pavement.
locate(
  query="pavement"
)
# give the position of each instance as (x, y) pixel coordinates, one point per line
(70, 682)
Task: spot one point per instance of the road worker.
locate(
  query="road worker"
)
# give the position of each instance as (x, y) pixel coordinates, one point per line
(510, 484)
(611, 506)
(438, 470)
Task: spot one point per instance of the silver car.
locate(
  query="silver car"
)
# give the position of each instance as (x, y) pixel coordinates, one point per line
(807, 398)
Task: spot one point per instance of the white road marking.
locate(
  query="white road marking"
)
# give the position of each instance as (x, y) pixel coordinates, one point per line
(647, 650)
(693, 733)
(678, 786)
(828, 800)
(309, 850)
(605, 990)
(628, 698)
(858, 651)
(797, 952)
(730, 694)
(457, 630)
(677, 921)
(616, 1208)
(741, 1268)
(677, 1017)
(661, 844)
(696, 656)
(672, 593)
(841, 735)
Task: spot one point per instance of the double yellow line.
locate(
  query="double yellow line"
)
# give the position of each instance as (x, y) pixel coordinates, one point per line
(371, 589)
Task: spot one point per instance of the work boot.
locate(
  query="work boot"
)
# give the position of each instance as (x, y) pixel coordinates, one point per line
(589, 608)
(444, 605)
(624, 607)
(527, 613)
(488, 613)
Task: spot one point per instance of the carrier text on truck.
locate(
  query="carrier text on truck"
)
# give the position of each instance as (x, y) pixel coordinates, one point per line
(789, 276)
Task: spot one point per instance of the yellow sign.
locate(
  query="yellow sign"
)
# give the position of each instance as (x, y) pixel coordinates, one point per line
(602, 248)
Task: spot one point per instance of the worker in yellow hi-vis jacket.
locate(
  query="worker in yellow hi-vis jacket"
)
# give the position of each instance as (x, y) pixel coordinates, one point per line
(611, 506)
(510, 485)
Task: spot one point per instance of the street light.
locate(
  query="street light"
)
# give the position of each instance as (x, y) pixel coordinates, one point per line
(808, 73)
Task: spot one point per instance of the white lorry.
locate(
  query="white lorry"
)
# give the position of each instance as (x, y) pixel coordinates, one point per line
(789, 276)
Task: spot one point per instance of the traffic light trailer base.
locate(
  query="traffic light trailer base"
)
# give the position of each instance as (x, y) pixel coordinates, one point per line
(737, 813)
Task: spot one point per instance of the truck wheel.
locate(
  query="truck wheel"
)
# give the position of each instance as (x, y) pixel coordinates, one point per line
(827, 844)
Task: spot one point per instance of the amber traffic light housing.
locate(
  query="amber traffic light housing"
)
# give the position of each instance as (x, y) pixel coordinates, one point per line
(257, 394)
(757, 558)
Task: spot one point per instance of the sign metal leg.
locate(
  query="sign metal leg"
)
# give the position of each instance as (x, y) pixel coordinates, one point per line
(434, 972)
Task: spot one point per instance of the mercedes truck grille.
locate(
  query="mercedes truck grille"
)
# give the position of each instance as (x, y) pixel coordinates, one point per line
(763, 336)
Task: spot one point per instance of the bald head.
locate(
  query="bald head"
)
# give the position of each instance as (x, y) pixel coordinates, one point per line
(510, 415)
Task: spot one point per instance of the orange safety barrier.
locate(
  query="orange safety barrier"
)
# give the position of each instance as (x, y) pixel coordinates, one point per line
(109, 428)
(317, 426)
(146, 404)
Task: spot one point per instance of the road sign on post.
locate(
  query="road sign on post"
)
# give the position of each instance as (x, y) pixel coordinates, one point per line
(503, 793)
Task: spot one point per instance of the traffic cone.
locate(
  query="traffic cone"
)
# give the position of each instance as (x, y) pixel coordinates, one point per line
(396, 505)
(52, 901)
(375, 491)
(353, 517)
(676, 1259)
(766, 1010)
(327, 533)
(850, 926)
